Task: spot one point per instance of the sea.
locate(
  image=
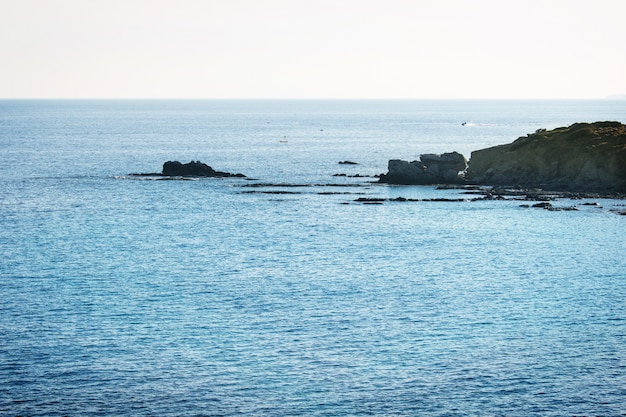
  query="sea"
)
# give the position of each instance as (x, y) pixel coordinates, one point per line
(288, 293)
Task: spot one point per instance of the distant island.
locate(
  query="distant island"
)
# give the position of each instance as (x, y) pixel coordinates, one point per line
(582, 157)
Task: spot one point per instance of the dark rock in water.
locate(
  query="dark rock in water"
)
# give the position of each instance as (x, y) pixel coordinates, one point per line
(190, 169)
(193, 169)
(430, 169)
(350, 176)
(370, 200)
(581, 157)
(573, 208)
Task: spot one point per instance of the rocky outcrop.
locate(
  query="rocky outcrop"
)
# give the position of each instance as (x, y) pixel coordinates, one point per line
(193, 169)
(581, 157)
(190, 169)
(430, 169)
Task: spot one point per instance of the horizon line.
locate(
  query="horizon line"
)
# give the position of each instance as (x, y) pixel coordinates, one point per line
(608, 97)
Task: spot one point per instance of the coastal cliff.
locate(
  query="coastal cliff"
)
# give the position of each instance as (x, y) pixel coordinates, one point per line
(581, 157)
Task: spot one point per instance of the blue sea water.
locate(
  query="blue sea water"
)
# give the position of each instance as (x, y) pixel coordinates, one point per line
(280, 295)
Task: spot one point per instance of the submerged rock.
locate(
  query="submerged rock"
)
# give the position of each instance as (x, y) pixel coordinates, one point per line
(581, 157)
(430, 169)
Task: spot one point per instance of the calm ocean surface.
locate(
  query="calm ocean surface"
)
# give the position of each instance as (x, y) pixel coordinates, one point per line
(282, 295)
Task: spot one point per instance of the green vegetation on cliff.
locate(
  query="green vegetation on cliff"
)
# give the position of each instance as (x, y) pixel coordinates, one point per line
(581, 157)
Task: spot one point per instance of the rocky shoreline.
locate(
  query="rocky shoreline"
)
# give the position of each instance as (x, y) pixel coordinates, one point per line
(584, 157)
(469, 193)
(582, 161)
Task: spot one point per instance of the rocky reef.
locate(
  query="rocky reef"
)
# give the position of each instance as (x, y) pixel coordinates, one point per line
(190, 169)
(430, 169)
(581, 157)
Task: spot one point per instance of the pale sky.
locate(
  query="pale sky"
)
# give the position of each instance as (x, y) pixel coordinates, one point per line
(312, 49)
